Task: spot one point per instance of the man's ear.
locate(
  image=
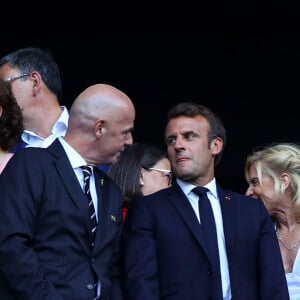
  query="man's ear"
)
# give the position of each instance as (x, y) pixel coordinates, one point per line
(36, 79)
(99, 127)
(216, 145)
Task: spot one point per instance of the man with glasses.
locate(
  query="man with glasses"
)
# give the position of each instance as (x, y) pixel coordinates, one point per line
(36, 84)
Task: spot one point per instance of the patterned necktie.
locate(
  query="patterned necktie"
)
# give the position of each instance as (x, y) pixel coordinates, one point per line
(87, 172)
(208, 228)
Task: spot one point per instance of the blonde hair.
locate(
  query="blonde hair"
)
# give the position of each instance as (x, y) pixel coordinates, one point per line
(274, 160)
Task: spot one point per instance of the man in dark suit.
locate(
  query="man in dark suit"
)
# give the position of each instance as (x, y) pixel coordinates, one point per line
(173, 250)
(48, 248)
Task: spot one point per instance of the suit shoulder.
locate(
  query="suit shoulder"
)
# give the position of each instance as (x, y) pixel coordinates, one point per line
(30, 155)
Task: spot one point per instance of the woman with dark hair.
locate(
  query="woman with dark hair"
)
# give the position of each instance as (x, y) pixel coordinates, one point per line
(142, 169)
(11, 123)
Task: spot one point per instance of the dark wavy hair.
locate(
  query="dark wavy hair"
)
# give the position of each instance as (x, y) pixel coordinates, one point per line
(11, 119)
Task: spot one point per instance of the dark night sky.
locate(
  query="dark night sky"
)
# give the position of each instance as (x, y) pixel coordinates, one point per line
(251, 81)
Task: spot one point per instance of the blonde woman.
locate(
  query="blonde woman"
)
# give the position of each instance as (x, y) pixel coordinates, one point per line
(273, 175)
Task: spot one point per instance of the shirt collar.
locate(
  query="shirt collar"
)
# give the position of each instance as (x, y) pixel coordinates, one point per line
(62, 123)
(75, 158)
(59, 128)
(187, 187)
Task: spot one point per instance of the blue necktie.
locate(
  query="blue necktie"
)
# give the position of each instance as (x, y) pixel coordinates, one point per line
(208, 227)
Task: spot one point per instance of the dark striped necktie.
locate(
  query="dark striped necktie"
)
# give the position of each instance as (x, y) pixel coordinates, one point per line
(87, 172)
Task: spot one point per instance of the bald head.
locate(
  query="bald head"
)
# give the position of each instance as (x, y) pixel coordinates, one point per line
(99, 100)
(99, 117)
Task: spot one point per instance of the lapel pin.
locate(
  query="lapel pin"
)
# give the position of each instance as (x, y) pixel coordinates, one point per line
(102, 182)
(227, 197)
(113, 218)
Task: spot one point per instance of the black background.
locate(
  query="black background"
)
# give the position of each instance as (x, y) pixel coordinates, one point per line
(250, 80)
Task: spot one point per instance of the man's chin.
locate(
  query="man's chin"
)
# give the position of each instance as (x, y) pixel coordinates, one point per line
(115, 158)
(184, 175)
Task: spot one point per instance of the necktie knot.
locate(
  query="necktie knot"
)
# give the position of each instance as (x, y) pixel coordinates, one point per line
(87, 170)
(200, 190)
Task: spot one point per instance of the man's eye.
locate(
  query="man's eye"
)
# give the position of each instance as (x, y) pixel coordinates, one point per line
(190, 136)
(126, 133)
(171, 141)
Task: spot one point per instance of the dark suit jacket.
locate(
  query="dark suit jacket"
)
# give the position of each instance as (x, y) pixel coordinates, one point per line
(45, 242)
(165, 256)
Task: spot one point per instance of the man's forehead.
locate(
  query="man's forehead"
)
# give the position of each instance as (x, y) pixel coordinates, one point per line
(188, 123)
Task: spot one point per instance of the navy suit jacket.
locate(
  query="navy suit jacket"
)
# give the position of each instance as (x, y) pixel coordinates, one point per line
(166, 257)
(45, 241)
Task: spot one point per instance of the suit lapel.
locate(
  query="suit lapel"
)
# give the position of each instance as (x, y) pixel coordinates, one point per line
(101, 190)
(182, 204)
(70, 181)
(229, 210)
(106, 208)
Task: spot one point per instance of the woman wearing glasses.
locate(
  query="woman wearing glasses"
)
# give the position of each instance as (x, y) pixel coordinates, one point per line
(142, 169)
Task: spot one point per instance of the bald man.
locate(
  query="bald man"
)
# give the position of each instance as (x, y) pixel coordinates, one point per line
(49, 248)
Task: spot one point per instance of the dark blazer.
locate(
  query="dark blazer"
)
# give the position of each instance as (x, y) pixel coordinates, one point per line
(165, 256)
(45, 242)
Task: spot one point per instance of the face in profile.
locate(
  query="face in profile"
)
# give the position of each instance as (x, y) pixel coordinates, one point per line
(156, 178)
(20, 85)
(116, 135)
(263, 190)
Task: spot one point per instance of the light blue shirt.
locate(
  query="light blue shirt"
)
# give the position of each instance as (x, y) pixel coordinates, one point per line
(59, 129)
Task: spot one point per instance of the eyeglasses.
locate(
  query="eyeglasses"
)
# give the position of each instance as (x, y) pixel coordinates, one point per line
(11, 79)
(165, 172)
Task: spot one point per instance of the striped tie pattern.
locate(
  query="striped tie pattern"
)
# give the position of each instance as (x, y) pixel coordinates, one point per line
(87, 172)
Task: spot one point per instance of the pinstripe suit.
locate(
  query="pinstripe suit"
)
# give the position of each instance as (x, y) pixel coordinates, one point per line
(45, 242)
